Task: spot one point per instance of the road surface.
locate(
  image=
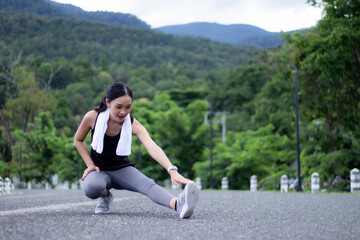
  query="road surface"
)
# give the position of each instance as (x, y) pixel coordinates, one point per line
(68, 214)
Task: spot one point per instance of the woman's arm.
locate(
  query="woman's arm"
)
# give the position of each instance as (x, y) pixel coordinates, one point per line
(86, 125)
(156, 152)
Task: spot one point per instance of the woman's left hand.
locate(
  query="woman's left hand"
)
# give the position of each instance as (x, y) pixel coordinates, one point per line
(177, 178)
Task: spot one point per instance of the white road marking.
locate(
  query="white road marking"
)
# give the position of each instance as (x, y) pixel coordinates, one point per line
(56, 207)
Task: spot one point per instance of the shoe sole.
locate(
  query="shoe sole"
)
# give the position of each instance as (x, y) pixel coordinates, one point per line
(102, 212)
(191, 199)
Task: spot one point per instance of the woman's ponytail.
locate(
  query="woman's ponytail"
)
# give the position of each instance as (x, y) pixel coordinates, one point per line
(102, 106)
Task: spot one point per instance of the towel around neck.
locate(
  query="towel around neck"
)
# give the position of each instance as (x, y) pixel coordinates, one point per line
(124, 144)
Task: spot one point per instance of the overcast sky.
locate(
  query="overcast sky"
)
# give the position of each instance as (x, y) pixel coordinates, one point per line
(271, 15)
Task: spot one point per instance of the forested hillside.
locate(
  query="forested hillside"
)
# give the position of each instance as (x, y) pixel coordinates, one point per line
(236, 34)
(54, 9)
(58, 37)
(54, 70)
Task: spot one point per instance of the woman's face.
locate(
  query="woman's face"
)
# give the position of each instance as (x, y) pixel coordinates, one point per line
(119, 108)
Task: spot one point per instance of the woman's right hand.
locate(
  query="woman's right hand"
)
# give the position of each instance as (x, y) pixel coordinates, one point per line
(88, 170)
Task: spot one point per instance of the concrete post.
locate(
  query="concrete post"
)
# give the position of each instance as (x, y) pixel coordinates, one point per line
(284, 183)
(198, 183)
(224, 183)
(315, 182)
(7, 185)
(355, 180)
(29, 185)
(253, 183)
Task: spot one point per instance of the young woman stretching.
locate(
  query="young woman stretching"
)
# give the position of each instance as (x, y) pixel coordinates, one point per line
(108, 165)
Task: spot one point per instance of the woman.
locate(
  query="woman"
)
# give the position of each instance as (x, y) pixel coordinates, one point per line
(108, 165)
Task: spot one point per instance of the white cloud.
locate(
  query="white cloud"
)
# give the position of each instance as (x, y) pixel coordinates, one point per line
(272, 15)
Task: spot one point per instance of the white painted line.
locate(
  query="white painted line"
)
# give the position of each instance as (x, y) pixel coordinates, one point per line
(56, 207)
(19, 195)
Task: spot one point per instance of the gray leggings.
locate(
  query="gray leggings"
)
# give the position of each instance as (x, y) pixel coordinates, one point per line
(128, 178)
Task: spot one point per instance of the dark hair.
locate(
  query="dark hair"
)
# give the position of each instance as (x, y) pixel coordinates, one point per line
(116, 90)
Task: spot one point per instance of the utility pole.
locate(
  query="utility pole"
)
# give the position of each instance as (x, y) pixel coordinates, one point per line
(20, 164)
(297, 128)
(211, 116)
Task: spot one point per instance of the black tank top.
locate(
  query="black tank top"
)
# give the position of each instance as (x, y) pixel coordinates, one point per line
(108, 160)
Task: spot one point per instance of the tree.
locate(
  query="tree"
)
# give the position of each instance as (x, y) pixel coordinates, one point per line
(236, 92)
(183, 135)
(274, 103)
(64, 76)
(46, 74)
(37, 149)
(329, 58)
(83, 70)
(8, 88)
(179, 131)
(29, 101)
(5, 154)
(79, 97)
(240, 86)
(331, 155)
(44, 153)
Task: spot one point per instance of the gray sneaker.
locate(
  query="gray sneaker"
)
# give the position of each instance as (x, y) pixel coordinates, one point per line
(187, 200)
(103, 204)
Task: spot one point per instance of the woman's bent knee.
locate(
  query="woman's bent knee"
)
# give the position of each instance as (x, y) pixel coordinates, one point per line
(95, 191)
(94, 185)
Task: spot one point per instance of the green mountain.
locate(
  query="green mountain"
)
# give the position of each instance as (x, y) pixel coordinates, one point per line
(54, 9)
(235, 34)
(69, 38)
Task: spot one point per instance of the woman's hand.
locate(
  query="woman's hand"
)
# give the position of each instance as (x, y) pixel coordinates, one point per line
(177, 178)
(88, 170)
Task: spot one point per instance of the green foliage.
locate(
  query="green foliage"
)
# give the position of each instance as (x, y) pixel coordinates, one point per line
(330, 154)
(261, 152)
(64, 76)
(79, 97)
(179, 131)
(235, 93)
(37, 150)
(182, 134)
(43, 153)
(63, 121)
(29, 102)
(329, 57)
(184, 97)
(236, 89)
(275, 104)
(6, 169)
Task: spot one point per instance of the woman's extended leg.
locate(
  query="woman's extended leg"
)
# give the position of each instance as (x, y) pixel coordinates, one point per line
(131, 179)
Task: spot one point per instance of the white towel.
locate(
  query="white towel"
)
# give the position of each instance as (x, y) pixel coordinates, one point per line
(124, 145)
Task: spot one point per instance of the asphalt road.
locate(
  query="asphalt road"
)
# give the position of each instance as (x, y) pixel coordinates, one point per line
(68, 214)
